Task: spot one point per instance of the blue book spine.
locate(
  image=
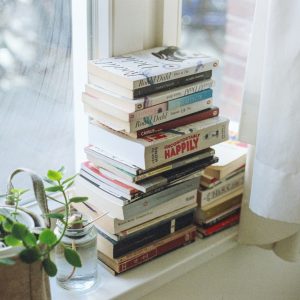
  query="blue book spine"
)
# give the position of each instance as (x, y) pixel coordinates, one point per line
(189, 99)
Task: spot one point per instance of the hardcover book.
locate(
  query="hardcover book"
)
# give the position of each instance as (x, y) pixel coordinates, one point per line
(154, 150)
(152, 66)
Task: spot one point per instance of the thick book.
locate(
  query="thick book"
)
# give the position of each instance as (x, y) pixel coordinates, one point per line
(114, 249)
(232, 156)
(122, 121)
(222, 225)
(152, 66)
(130, 226)
(219, 206)
(151, 89)
(134, 189)
(131, 173)
(185, 193)
(173, 241)
(161, 148)
(196, 117)
(223, 188)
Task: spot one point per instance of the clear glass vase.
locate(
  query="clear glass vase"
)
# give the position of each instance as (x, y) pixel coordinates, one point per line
(84, 241)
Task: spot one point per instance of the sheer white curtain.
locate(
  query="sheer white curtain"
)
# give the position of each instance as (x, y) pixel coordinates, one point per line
(270, 122)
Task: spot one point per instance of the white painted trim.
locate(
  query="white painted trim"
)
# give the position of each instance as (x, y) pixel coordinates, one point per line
(79, 57)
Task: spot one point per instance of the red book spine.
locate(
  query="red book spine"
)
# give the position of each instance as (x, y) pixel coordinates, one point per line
(221, 225)
(199, 116)
(161, 249)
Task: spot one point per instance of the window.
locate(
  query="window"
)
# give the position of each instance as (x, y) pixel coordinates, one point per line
(221, 28)
(36, 105)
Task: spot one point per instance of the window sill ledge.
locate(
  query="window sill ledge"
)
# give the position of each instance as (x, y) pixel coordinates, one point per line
(142, 280)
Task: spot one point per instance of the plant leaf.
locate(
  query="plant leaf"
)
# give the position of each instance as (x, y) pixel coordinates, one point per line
(69, 179)
(49, 267)
(7, 261)
(61, 169)
(49, 180)
(78, 199)
(29, 255)
(69, 184)
(72, 257)
(19, 231)
(55, 216)
(10, 240)
(54, 175)
(47, 237)
(29, 240)
(55, 188)
(7, 225)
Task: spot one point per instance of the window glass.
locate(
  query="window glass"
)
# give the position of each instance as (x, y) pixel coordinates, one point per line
(36, 109)
(221, 28)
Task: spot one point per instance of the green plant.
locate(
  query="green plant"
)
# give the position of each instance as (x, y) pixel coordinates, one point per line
(38, 246)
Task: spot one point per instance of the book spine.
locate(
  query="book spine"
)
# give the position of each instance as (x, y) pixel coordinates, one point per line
(152, 110)
(175, 75)
(166, 85)
(176, 93)
(157, 251)
(202, 115)
(161, 153)
(165, 116)
(209, 195)
(189, 99)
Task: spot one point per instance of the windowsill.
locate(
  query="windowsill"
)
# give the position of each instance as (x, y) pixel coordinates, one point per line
(140, 281)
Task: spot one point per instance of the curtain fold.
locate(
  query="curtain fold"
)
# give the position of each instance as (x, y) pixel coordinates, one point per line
(270, 122)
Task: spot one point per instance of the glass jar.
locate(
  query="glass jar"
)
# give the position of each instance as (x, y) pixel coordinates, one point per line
(84, 241)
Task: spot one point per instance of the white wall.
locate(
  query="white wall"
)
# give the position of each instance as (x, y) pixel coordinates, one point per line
(244, 273)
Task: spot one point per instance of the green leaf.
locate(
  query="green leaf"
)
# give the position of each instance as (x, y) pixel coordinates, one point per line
(29, 240)
(7, 261)
(19, 231)
(72, 257)
(2, 218)
(49, 180)
(55, 216)
(10, 240)
(49, 267)
(29, 255)
(69, 179)
(78, 199)
(47, 237)
(69, 184)
(54, 175)
(61, 169)
(7, 225)
(55, 188)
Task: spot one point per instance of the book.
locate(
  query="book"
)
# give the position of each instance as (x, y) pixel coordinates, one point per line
(183, 193)
(173, 241)
(222, 225)
(232, 156)
(122, 121)
(134, 189)
(129, 226)
(224, 187)
(219, 206)
(148, 90)
(147, 68)
(114, 249)
(114, 164)
(157, 149)
(178, 96)
(196, 117)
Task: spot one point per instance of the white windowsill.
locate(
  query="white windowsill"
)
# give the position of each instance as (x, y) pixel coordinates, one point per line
(140, 281)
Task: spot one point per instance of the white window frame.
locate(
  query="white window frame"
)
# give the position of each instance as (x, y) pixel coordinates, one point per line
(115, 27)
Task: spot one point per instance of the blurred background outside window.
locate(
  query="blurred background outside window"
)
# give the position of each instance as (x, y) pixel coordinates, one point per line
(221, 28)
(36, 109)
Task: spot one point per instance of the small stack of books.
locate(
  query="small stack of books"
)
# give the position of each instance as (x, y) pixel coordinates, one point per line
(152, 122)
(221, 189)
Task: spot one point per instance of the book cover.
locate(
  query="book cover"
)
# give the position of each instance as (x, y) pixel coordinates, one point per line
(114, 249)
(152, 66)
(122, 121)
(157, 149)
(144, 254)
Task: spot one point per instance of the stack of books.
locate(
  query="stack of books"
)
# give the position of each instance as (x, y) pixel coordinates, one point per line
(152, 122)
(221, 189)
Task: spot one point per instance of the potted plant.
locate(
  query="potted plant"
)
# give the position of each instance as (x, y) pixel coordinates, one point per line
(26, 245)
